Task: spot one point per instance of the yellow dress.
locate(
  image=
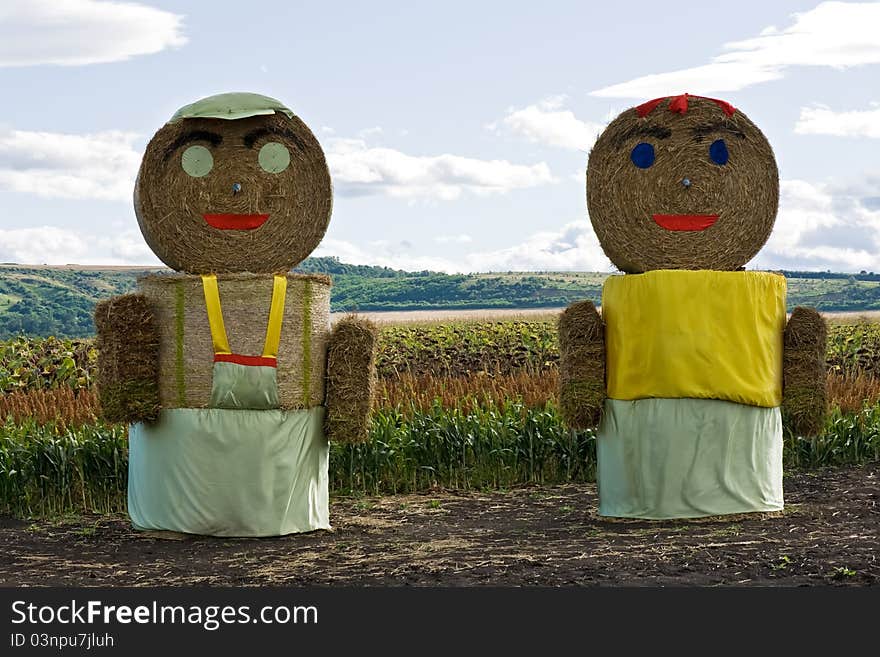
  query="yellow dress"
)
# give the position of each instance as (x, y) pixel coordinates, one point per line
(692, 425)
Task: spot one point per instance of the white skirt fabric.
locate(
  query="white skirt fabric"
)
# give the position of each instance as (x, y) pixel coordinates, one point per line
(222, 472)
(686, 458)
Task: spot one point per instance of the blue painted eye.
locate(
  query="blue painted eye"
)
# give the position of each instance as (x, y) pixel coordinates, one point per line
(718, 152)
(642, 155)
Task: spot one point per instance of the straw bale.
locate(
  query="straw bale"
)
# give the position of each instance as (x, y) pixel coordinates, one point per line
(804, 397)
(128, 359)
(581, 365)
(186, 351)
(622, 198)
(351, 379)
(170, 204)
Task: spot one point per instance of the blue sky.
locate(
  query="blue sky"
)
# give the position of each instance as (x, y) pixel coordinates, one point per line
(457, 132)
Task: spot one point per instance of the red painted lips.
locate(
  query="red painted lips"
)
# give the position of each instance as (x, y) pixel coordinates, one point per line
(235, 221)
(685, 221)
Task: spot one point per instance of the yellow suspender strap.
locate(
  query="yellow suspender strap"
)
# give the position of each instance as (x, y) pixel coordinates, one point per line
(276, 315)
(215, 315)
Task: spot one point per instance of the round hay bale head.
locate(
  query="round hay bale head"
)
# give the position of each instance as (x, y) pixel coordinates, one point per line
(682, 183)
(249, 192)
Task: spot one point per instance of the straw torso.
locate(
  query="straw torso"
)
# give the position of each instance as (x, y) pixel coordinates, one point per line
(186, 352)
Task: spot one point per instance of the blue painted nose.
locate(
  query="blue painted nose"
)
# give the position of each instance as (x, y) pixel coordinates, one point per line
(236, 188)
(686, 182)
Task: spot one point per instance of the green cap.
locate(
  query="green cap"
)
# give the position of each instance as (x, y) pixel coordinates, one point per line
(230, 106)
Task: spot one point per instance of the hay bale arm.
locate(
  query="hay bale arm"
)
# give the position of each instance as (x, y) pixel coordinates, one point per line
(803, 372)
(351, 379)
(581, 365)
(128, 359)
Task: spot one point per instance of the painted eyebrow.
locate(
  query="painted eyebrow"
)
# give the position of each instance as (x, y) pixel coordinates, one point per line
(701, 131)
(655, 131)
(193, 135)
(251, 137)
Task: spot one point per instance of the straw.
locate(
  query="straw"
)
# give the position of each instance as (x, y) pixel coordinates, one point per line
(170, 204)
(128, 351)
(186, 352)
(804, 396)
(581, 365)
(351, 379)
(622, 198)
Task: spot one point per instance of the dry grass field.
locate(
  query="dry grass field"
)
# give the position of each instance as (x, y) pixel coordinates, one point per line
(410, 317)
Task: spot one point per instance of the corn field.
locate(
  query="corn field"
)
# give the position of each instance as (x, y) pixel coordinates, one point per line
(442, 350)
(46, 470)
(451, 413)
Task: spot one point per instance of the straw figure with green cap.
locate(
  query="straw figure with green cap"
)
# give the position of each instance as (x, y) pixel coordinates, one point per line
(226, 368)
(692, 364)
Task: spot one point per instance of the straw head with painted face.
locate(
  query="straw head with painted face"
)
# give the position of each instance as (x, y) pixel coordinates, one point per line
(682, 182)
(233, 183)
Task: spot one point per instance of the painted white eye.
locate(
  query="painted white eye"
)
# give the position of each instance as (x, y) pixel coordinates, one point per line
(197, 161)
(274, 157)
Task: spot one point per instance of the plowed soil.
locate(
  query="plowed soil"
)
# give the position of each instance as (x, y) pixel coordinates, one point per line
(829, 533)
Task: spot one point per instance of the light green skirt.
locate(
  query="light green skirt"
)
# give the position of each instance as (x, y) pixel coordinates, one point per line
(229, 472)
(686, 458)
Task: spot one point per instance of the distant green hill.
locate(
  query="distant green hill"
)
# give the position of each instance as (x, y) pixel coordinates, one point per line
(41, 301)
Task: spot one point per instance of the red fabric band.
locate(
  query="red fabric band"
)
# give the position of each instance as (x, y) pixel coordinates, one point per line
(252, 361)
(679, 104)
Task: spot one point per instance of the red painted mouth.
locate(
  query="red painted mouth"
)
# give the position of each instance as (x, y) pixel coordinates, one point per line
(685, 221)
(235, 221)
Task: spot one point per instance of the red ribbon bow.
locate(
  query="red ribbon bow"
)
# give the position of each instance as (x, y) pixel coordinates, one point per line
(679, 104)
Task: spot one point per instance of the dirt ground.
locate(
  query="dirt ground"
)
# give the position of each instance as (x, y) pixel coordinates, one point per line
(828, 534)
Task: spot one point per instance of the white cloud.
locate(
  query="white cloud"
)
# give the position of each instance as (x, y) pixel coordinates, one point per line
(819, 227)
(103, 166)
(822, 227)
(127, 247)
(100, 166)
(546, 122)
(821, 120)
(383, 254)
(78, 32)
(375, 131)
(833, 34)
(50, 245)
(574, 247)
(359, 170)
(454, 239)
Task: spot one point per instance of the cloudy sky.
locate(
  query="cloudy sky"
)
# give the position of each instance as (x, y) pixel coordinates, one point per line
(457, 132)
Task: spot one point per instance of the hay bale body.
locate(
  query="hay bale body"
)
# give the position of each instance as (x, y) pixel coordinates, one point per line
(804, 397)
(351, 379)
(581, 365)
(128, 358)
(623, 198)
(171, 204)
(186, 351)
